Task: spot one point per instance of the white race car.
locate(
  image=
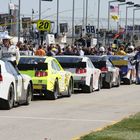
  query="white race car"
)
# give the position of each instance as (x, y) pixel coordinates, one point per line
(14, 87)
(85, 75)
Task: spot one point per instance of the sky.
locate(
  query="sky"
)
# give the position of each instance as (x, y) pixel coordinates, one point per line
(65, 9)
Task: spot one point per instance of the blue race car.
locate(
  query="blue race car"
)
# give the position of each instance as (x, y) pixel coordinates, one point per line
(127, 68)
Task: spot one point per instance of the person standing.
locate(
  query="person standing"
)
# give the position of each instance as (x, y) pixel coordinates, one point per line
(121, 50)
(8, 51)
(40, 51)
(137, 61)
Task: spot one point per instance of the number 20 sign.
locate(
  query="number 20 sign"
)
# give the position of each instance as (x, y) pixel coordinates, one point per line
(44, 25)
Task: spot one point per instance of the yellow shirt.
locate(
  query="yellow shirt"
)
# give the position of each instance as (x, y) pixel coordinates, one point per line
(121, 52)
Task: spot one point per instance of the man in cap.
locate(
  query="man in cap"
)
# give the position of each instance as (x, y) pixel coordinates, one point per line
(8, 51)
(102, 50)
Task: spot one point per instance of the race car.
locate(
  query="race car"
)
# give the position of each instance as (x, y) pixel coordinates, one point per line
(49, 78)
(127, 68)
(15, 88)
(109, 73)
(85, 75)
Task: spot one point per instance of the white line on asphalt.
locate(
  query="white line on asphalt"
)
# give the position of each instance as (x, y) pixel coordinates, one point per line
(55, 119)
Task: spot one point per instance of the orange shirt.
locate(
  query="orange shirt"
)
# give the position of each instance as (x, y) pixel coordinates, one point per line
(40, 52)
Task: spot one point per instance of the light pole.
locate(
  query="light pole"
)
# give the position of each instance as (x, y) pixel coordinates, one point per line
(40, 16)
(57, 17)
(73, 9)
(134, 21)
(109, 4)
(19, 20)
(39, 9)
(83, 17)
(98, 23)
(86, 11)
(121, 4)
(126, 18)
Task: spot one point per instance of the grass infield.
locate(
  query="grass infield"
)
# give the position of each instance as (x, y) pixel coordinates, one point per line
(127, 129)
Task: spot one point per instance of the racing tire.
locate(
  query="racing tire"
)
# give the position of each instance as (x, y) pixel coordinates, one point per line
(108, 85)
(70, 88)
(89, 89)
(8, 104)
(118, 81)
(54, 95)
(99, 84)
(128, 81)
(29, 95)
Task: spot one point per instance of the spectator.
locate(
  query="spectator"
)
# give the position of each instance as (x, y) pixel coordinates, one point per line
(81, 52)
(75, 50)
(68, 51)
(137, 59)
(58, 49)
(121, 50)
(102, 51)
(110, 52)
(40, 51)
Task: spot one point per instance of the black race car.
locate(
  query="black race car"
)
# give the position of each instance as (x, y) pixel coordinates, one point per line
(110, 73)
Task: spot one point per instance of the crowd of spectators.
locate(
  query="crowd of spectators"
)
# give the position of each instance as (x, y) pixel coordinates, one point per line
(27, 48)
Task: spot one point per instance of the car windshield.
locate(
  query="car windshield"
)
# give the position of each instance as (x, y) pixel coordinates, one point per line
(98, 61)
(71, 62)
(31, 60)
(29, 63)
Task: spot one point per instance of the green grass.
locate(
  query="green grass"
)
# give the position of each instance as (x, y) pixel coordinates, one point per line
(127, 129)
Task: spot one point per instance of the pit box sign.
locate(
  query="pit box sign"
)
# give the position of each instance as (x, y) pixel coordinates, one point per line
(44, 25)
(26, 22)
(90, 29)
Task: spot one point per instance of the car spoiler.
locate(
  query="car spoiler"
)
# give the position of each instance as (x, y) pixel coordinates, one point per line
(74, 65)
(39, 66)
(120, 62)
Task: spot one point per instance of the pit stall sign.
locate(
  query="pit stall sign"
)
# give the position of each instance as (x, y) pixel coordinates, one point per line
(44, 25)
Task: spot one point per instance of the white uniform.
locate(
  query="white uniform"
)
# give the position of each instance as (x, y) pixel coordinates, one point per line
(11, 53)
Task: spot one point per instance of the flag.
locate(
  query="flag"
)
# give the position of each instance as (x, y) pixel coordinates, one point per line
(115, 17)
(114, 9)
(121, 32)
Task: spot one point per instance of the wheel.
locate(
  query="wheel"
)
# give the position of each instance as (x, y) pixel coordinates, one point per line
(70, 88)
(128, 81)
(118, 81)
(54, 95)
(99, 84)
(89, 89)
(28, 95)
(108, 85)
(8, 104)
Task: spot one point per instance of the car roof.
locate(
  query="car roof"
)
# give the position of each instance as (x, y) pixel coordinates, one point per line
(97, 57)
(48, 58)
(72, 56)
